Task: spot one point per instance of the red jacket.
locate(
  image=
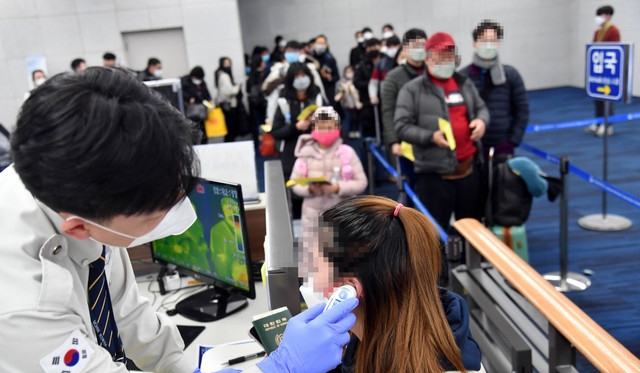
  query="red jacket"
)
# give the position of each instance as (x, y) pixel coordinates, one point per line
(611, 33)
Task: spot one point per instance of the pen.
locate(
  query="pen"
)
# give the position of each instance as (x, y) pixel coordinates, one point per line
(245, 358)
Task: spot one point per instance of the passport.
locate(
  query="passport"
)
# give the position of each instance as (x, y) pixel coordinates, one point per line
(270, 327)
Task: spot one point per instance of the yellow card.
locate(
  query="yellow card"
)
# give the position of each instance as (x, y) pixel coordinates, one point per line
(407, 151)
(304, 181)
(445, 127)
(308, 111)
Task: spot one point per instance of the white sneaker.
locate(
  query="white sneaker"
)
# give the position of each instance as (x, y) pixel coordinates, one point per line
(600, 131)
(591, 129)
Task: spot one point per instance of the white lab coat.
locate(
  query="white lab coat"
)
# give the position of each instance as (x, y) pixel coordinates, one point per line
(43, 295)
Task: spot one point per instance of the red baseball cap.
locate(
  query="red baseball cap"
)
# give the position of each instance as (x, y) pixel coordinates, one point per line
(439, 42)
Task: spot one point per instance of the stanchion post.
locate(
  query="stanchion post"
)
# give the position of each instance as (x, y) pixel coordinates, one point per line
(602, 222)
(564, 280)
(370, 169)
(564, 207)
(605, 155)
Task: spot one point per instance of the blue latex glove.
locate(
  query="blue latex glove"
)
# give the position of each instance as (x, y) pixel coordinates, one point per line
(313, 340)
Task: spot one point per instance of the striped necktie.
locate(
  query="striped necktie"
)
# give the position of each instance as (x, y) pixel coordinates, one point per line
(101, 311)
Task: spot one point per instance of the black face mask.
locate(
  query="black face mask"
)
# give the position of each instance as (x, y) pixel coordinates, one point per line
(373, 54)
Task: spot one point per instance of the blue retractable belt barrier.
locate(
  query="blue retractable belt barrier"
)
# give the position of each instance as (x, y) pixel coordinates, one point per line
(581, 123)
(583, 175)
(409, 191)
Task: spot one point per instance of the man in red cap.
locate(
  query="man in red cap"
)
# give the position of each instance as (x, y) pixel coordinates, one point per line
(443, 117)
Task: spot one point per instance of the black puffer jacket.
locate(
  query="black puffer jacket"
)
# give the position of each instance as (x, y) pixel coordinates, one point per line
(508, 104)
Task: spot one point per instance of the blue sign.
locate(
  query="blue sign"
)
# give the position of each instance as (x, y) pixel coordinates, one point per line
(608, 75)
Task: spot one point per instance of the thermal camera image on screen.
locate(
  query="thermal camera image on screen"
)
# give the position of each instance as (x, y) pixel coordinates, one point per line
(213, 246)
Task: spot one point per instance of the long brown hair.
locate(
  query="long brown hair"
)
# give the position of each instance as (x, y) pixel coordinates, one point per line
(397, 260)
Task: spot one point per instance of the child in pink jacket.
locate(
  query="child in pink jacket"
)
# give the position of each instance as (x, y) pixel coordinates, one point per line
(322, 153)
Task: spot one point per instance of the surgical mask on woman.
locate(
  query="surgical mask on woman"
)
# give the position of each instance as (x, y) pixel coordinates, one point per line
(175, 222)
(444, 70)
(301, 83)
(487, 51)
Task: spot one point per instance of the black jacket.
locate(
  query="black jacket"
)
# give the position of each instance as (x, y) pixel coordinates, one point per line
(361, 78)
(508, 105)
(197, 92)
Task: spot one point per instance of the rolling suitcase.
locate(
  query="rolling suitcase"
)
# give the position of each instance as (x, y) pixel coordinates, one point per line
(515, 237)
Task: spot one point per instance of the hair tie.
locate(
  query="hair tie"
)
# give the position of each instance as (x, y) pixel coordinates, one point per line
(397, 210)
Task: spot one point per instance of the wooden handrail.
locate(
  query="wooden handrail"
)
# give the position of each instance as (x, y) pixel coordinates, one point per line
(598, 346)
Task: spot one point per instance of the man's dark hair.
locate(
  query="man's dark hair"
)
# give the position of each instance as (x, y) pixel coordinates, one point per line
(393, 40)
(197, 72)
(414, 33)
(294, 69)
(487, 25)
(109, 56)
(371, 42)
(277, 39)
(75, 63)
(292, 44)
(607, 9)
(102, 144)
(258, 50)
(365, 29)
(388, 25)
(152, 62)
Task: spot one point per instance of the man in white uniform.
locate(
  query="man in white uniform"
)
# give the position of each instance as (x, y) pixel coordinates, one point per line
(100, 164)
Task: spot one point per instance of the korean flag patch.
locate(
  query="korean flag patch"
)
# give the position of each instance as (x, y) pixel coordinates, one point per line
(70, 357)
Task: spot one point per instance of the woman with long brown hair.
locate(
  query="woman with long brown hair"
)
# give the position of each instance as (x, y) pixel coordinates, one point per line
(391, 255)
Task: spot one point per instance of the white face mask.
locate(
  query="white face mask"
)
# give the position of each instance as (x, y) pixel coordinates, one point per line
(348, 76)
(282, 43)
(391, 52)
(320, 48)
(196, 81)
(417, 54)
(600, 20)
(301, 83)
(487, 51)
(39, 81)
(387, 34)
(360, 39)
(444, 70)
(367, 35)
(175, 222)
(158, 73)
(383, 49)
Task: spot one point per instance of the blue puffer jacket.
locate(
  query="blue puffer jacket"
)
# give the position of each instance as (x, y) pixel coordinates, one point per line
(508, 105)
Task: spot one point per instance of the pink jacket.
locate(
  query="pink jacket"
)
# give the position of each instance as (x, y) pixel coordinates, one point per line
(312, 162)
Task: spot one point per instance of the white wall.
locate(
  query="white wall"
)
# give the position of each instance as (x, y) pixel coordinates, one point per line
(62, 30)
(544, 39)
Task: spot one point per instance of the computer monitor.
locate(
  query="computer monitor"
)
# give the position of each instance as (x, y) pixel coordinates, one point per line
(213, 250)
(280, 252)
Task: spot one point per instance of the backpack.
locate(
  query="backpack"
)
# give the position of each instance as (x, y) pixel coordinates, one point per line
(509, 199)
(346, 171)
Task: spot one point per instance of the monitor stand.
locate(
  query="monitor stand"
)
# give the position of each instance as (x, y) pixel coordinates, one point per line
(211, 304)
